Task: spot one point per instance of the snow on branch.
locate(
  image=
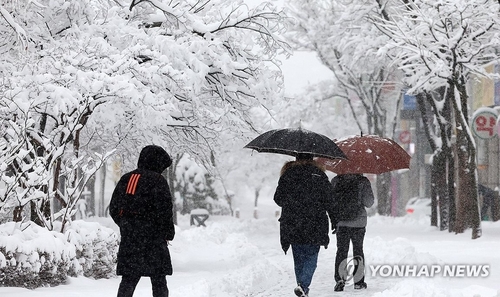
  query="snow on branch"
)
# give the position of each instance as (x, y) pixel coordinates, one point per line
(21, 34)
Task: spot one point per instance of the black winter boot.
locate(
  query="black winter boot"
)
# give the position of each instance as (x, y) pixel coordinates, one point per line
(339, 286)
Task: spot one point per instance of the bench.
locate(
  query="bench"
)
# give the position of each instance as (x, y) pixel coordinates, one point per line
(199, 216)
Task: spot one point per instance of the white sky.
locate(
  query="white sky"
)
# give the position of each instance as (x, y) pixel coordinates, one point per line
(301, 70)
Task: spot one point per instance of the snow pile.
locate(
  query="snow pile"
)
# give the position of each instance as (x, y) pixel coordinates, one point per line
(397, 251)
(32, 256)
(96, 248)
(224, 248)
(421, 221)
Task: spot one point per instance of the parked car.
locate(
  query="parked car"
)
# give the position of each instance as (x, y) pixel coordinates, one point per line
(418, 206)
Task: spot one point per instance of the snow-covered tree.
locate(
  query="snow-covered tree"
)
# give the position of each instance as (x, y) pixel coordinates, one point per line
(41, 142)
(194, 187)
(439, 45)
(348, 44)
(437, 124)
(100, 75)
(318, 109)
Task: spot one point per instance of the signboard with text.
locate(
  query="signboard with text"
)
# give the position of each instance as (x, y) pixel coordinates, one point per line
(409, 102)
(404, 137)
(484, 123)
(409, 107)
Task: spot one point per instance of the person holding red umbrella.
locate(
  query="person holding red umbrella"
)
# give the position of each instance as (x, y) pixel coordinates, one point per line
(352, 194)
(366, 154)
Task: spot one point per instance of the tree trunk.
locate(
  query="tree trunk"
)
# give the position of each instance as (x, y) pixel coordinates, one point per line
(104, 171)
(171, 179)
(17, 215)
(452, 199)
(435, 197)
(442, 168)
(468, 213)
(426, 107)
(440, 171)
(495, 208)
(229, 198)
(449, 217)
(256, 201)
(383, 194)
(170, 176)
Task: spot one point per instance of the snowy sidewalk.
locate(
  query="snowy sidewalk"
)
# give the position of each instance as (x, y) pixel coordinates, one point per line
(243, 258)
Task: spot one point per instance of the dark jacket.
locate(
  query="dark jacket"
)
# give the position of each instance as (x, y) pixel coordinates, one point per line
(365, 194)
(141, 206)
(489, 196)
(305, 195)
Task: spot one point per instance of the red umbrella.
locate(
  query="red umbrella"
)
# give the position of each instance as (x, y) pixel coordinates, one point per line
(368, 154)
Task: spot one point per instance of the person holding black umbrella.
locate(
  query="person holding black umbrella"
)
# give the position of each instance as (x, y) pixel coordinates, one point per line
(305, 195)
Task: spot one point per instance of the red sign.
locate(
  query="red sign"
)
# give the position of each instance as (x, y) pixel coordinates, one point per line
(405, 137)
(484, 123)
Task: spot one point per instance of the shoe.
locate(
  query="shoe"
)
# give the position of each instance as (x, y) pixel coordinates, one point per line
(299, 292)
(360, 286)
(339, 286)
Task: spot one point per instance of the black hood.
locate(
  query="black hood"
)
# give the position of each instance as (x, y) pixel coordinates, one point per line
(154, 158)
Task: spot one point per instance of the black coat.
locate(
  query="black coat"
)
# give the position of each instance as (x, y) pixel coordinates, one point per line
(141, 206)
(305, 195)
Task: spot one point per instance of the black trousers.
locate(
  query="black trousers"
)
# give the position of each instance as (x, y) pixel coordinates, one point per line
(344, 236)
(129, 282)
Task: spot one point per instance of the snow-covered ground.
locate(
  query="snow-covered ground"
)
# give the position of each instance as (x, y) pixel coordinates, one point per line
(242, 257)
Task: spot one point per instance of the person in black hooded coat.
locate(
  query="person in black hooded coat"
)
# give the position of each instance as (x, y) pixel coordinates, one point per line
(141, 205)
(306, 198)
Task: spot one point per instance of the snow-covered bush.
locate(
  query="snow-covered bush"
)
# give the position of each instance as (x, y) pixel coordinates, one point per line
(96, 248)
(194, 187)
(32, 256)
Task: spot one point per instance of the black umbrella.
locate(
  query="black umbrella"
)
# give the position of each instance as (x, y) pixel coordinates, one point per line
(295, 142)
